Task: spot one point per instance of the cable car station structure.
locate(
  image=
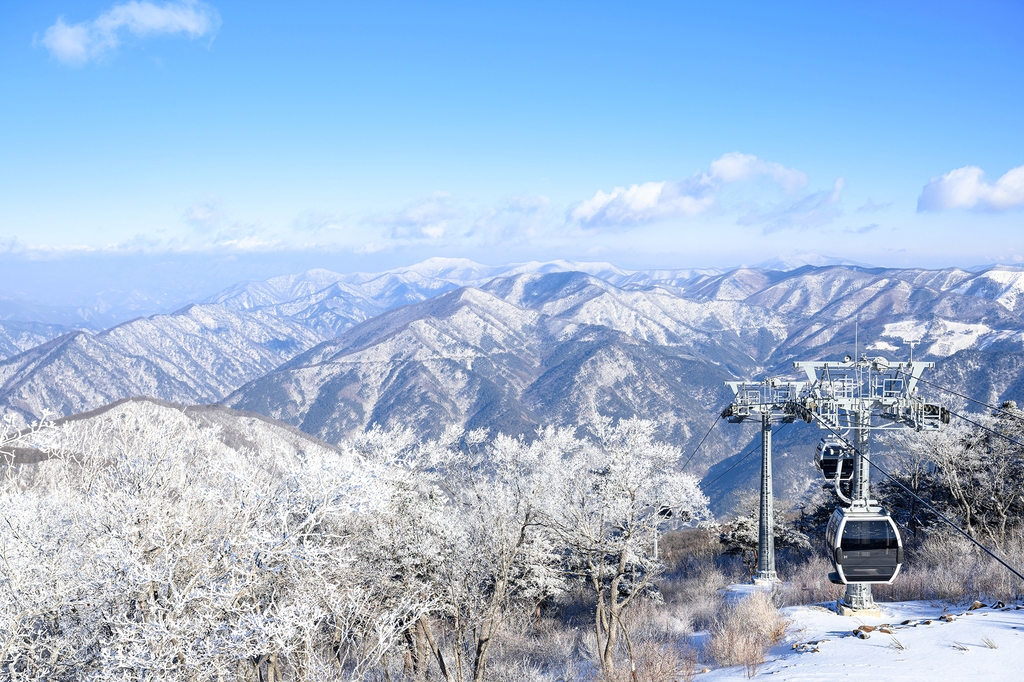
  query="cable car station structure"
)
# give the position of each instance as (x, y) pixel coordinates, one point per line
(849, 397)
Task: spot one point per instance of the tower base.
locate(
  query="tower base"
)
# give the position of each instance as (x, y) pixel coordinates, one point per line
(847, 610)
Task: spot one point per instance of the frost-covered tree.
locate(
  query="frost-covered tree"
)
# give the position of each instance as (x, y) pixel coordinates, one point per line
(506, 554)
(975, 474)
(146, 547)
(614, 498)
(741, 535)
(151, 544)
(406, 545)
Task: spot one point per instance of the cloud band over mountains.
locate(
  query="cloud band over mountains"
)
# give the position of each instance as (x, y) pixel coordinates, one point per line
(627, 207)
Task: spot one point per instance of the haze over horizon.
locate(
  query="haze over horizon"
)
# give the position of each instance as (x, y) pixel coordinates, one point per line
(177, 147)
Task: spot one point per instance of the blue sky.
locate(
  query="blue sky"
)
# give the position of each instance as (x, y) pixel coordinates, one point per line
(276, 136)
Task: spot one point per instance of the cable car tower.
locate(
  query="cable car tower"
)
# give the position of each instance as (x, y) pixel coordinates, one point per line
(841, 397)
(846, 395)
(765, 401)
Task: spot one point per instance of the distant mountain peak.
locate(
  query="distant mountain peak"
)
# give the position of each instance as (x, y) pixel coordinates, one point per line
(799, 260)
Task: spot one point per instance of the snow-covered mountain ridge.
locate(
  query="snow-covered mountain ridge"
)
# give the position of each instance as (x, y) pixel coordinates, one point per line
(17, 337)
(449, 341)
(197, 355)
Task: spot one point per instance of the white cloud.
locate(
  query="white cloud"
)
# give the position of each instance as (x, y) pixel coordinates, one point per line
(205, 216)
(640, 204)
(213, 227)
(427, 218)
(318, 222)
(517, 220)
(736, 167)
(78, 43)
(870, 206)
(624, 207)
(863, 229)
(966, 188)
(11, 245)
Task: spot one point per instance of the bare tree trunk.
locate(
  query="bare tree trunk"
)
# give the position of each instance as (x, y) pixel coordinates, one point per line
(613, 622)
(488, 629)
(629, 648)
(417, 659)
(258, 662)
(600, 621)
(273, 671)
(424, 625)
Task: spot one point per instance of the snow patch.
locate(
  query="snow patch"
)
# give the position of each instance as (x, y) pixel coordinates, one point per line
(951, 337)
(820, 645)
(1001, 336)
(884, 346)
(906, 330)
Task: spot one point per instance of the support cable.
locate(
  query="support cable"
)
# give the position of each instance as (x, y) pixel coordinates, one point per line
(982, 426)
(979, 402)
(697, 449)
(748, 453)
(965, 397)
(919, 499)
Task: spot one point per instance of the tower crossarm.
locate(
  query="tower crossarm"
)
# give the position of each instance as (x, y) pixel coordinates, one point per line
(773, 396)
(838, 390)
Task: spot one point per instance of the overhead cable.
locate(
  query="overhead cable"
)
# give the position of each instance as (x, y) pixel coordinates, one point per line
(1002, 410)
(748, 453)
(697, 449)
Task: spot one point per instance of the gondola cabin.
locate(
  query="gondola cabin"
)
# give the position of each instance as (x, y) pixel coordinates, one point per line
(834, 457)
(865, 544)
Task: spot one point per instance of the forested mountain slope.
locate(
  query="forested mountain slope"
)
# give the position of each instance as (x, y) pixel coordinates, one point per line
(199, 354)
(471, 358)
(19, 336)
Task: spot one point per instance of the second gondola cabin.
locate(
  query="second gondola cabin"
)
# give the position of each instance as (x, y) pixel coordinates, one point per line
(834, 458)
(865, 544)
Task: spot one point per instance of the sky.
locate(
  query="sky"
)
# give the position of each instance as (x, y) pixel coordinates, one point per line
(184, 145)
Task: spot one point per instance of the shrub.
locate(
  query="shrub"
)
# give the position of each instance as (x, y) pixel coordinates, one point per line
(948, 568)
(656, 663)
(745, 632)
(697, 598)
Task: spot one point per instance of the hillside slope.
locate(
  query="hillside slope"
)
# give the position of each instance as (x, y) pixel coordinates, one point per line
(197, 355)
(471, 358)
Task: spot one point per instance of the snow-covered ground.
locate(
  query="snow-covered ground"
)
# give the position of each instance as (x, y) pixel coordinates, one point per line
(986, 644)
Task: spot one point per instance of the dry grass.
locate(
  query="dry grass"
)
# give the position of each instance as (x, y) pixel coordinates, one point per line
(547, 647)
(944, 568)
(558, 646)
(746, 631)
(949, 569)
(656, 663)
(696, 599)
(807, 583)
(680, 547)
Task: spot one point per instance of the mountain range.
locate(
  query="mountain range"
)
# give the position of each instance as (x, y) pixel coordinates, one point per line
(510, 348)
